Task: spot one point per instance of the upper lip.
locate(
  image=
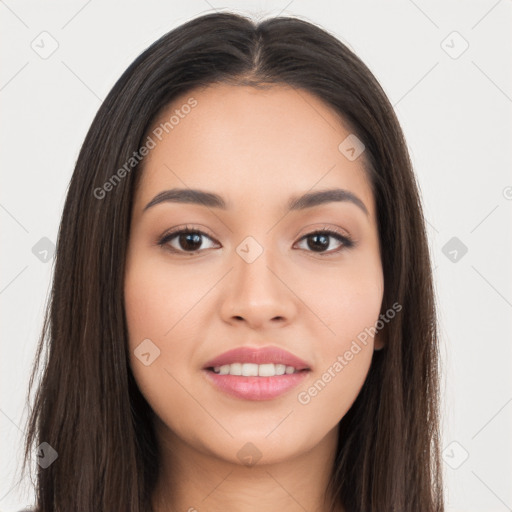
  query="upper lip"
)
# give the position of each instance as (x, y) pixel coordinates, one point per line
(258, 356)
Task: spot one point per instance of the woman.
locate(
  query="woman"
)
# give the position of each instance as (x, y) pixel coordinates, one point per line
(242, 313)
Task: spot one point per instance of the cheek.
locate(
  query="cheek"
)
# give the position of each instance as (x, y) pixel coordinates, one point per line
(349, 303)
(155, 304)
(158, 300)
(329, 395)
(164, 305)
(341, 370)
(347, 299)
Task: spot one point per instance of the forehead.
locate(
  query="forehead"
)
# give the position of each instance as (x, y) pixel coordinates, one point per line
(243, 142)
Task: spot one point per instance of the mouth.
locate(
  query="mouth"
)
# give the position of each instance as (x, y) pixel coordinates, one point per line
(256, 373)
(253, 382)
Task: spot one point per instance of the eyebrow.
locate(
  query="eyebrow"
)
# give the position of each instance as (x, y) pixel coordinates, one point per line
(212, 200)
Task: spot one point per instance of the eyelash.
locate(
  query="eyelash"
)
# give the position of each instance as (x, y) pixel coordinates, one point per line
(346, 241)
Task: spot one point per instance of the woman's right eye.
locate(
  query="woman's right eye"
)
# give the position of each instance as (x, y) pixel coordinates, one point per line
(184, 241)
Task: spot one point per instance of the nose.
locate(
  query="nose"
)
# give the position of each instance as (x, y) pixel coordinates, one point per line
(258, 294)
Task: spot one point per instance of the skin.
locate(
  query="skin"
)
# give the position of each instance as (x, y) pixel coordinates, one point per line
(256, 148)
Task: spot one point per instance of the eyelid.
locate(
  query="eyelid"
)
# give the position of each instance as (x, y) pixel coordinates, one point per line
(321, 228)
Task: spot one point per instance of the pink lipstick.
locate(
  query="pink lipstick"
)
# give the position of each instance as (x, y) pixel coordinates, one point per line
(256, 374)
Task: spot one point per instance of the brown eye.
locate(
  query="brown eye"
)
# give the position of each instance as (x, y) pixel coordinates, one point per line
(320, 241)
(185, 241)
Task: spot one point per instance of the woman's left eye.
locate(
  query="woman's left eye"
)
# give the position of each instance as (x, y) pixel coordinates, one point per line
(190, 241)
(319, 241)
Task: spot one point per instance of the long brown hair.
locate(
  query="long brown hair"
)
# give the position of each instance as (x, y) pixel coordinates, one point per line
(88, 407)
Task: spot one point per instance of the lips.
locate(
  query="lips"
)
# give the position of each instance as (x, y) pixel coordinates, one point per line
(263, 355)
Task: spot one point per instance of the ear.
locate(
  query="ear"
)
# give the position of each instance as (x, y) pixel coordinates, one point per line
(380, 340)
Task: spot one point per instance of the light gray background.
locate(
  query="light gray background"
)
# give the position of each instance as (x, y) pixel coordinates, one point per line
(455, 111)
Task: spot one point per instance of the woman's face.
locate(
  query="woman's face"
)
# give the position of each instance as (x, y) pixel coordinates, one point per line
(258, 277)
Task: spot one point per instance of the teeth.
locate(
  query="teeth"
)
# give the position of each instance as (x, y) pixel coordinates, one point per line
(267, 370)
(249, 370)
(234, 369)
(281, 368)
(254, 370)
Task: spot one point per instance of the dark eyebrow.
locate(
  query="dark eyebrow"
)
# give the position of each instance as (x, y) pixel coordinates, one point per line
(188, 195)
(209, 199)
(325, 196)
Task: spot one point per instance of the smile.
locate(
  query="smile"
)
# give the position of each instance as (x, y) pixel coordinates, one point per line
(254, 370)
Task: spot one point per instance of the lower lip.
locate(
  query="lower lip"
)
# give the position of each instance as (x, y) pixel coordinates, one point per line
(256, 388)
